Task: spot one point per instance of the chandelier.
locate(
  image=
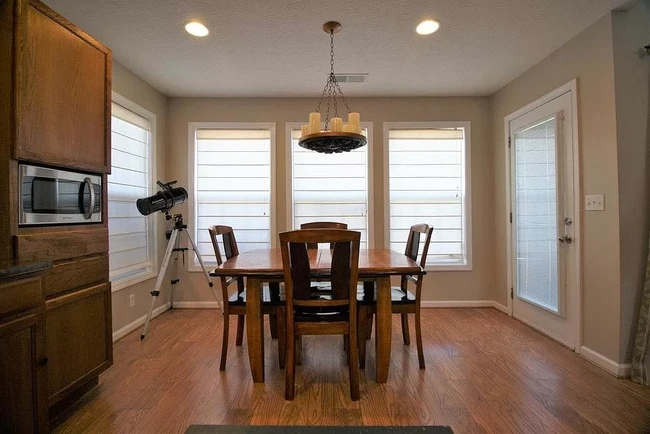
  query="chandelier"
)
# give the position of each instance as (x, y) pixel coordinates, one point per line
(337, 136)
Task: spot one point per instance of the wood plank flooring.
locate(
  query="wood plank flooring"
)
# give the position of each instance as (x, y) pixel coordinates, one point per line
(486, 372)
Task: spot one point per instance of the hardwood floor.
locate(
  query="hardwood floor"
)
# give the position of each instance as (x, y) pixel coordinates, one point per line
(486, 372)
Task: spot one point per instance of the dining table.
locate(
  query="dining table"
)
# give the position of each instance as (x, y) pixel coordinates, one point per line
(265, 265)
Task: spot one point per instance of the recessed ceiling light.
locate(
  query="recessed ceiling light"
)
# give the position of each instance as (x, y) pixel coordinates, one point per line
(195, 28)
(427, 27)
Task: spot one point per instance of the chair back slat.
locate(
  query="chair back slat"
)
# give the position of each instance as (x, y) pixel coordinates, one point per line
(300, 271)
(322, 225)
(341, 271)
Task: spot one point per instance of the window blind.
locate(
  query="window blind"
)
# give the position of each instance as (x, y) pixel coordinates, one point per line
(427, 185)
(130, 233)
(330, 187)
(233, 187)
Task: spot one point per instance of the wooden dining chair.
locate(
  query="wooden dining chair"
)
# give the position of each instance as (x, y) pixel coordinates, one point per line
(331, 314)
(235, 304)
(404, 302)
(322, 225)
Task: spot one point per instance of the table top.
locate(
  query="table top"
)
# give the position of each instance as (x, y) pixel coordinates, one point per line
(268, 263)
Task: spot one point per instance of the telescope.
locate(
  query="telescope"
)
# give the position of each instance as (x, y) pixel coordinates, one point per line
(164, 200)
(167, 198)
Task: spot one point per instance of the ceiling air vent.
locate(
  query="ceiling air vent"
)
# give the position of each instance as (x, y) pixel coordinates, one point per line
(352, 77)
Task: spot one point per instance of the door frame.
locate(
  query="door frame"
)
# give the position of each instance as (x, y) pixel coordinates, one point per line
(572, 87)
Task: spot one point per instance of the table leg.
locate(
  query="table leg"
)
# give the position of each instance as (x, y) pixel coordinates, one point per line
(255, 329)
(383, 328)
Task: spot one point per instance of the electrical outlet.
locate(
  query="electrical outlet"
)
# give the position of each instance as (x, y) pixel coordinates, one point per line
(131, 300)
(595, 202)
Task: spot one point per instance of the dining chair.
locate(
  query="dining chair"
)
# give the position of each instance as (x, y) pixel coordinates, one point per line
(235, 304)
(404, 302)
(322, 225)
(331, 314)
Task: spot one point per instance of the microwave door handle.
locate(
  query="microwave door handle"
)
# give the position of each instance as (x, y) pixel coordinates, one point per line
(88, 214)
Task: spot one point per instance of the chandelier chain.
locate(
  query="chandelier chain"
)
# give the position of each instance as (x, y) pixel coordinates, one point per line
(331, 89)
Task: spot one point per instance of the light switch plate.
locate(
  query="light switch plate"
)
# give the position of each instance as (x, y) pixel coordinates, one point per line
(595, 202)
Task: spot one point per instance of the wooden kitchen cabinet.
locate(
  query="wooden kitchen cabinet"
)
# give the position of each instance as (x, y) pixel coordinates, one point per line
(78, 339)
(62, 92)
(23, 361)
(22, 376)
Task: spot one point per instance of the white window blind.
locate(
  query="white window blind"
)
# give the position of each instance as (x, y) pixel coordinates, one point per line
(233, 187)
(130, 233)
(427, 185)
(330, 187)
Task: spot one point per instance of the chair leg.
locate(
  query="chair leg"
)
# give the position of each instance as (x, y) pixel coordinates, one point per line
(363, 325)
(273, 322)
(405, 329)
(346, 343)
(240, 330)
(298, 350)
(418, 338)
(353, 365)
(224, 341)
(282, 338)
(290, 370)
(369, 325)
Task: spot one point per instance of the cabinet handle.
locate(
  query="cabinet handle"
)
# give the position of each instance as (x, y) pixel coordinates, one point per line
(43, 361)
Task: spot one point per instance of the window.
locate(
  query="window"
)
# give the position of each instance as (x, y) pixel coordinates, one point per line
(329, 187)
(231, 179)
(131, 235)
(428, 177)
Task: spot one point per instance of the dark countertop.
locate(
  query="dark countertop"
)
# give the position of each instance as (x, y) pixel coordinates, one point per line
(16, 268)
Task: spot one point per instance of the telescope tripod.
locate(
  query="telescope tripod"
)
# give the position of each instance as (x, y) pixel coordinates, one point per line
(173, 247)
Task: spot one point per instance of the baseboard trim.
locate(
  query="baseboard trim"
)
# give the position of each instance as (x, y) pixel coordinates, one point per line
(197, 304)
(118, 334)
(620, 370)
(463, 303)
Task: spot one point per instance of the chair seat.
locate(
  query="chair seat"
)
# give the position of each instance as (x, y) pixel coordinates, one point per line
(276, 299)
(396, 294)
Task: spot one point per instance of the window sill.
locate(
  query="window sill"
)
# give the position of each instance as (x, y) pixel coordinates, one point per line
(121, 284)
(198, 269)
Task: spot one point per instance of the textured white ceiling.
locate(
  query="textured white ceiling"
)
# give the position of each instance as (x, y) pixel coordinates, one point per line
(277, 47)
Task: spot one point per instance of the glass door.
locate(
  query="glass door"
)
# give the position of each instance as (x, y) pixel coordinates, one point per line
(542, 222)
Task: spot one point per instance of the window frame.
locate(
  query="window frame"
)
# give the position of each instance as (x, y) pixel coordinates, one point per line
(191, 171)
(122, 283)
(467, 203)
(289, 126)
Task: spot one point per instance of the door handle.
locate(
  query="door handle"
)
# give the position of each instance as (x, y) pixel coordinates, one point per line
(566, 238)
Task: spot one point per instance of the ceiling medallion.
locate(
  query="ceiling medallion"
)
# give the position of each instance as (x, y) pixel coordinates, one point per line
(337, 136)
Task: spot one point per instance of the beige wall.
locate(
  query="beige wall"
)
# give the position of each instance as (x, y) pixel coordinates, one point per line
(631, 31)
(132, 87)
(460, 285)
(589, 57)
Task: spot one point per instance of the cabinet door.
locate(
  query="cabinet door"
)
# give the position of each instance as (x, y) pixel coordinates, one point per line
(22, 376)
(62, 93)
(78, 339)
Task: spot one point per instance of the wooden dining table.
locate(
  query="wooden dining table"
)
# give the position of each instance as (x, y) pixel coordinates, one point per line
(265, 265)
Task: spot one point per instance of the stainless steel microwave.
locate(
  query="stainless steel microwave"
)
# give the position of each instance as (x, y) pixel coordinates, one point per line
(52, 196)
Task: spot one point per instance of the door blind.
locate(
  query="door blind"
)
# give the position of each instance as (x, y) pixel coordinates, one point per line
(130, 233)
(427, 185)
(330, 187)
(233, 187)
